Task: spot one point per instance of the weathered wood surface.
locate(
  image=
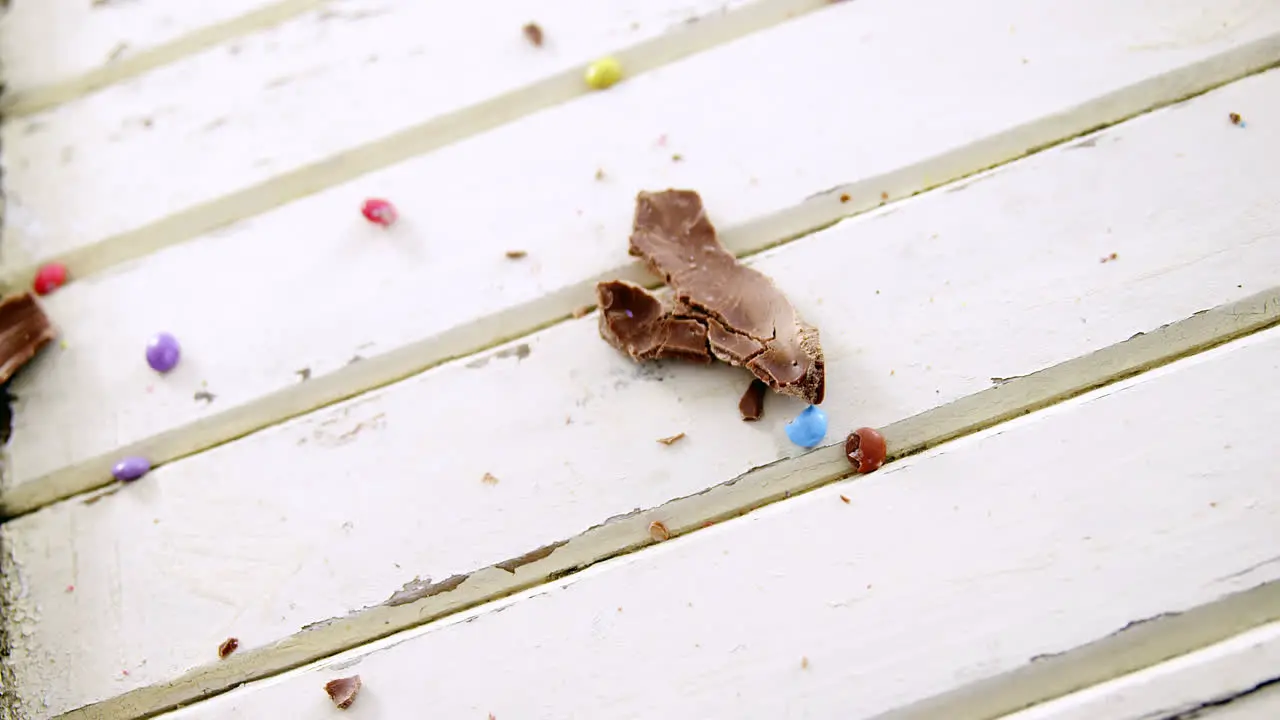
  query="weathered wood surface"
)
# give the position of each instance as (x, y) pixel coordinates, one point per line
(930, 577)
(331, 512)
(440, 286)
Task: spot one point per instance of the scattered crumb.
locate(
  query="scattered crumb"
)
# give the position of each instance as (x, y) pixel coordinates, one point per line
(117, 52)
(672, 440)
(1235, 119)
(303, 374)
(677, 157)
(342, 691)
(884, 196)
(71, 588)
(658, 531)
(227, 647)
(600, 173)
(583, 311)
(844, 198)
(533, 33)
(204, 395)
(1109, 258)
(516, 254)
(489, 479)
(844, 499)
(804, 663)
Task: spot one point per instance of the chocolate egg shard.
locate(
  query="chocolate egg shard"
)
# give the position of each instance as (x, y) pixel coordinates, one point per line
(342, 691)
(720, 308)
(866, 449)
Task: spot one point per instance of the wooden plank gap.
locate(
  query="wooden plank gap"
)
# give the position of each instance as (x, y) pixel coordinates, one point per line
(28, 102)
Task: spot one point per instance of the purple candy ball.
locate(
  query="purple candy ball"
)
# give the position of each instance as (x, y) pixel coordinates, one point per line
(131, 468)
(163, 352)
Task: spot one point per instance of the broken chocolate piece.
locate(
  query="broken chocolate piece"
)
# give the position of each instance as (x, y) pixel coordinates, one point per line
(636, 322)
(227, 647)
(749, 322)
(342, 691)
(24, 329)
(752, 403)
(658, 531)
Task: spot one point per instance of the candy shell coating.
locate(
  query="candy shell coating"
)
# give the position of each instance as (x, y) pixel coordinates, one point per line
(131, 468)
(49, 277)
(163, 352)
(808, 428)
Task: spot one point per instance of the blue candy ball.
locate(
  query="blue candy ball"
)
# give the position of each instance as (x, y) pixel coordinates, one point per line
(809, 427)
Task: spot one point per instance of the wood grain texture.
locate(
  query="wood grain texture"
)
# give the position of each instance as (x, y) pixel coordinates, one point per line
(313, 263)
(343, 90)
(335, 510)
(55, 50)
(940, 571)
(1210, 676)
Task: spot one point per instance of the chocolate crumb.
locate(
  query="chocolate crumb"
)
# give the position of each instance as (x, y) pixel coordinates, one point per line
(844, 198)
(227, 647)
(533, 33)
(342, 691)
(804, 663)
(752, 403)
(204, 395)
(721, 309)
(658, 531)
(489, 479)
(581, 311)
(24, 329)
(672, 439)
(516, 254)
(303, 374)
(1234, 118)
(1109, 258)
(884, 196)
(844, 499)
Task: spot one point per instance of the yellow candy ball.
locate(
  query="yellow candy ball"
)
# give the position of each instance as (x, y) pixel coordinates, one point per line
(603, 73)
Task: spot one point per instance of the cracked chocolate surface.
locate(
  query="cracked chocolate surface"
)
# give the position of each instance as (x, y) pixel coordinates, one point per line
(720, 309)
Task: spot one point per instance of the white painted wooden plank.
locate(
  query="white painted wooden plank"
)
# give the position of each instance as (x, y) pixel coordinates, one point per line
(53, 42)
(306, 91)
(345, 504)
(942, 570)
(313, 263)
(1223, 670)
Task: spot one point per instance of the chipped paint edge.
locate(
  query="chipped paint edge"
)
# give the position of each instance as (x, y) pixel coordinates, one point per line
(754, 489)
(816, 213)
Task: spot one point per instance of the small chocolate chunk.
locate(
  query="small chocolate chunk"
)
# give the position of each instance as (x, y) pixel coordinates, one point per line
(342, 691)
(533, 33)
(227, 647)
(750, 322)
(752, 403)
(24, 329)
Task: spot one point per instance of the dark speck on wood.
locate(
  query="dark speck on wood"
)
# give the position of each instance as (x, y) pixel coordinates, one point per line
(204, 395)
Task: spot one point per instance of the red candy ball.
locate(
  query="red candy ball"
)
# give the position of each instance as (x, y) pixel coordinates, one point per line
(379, 212)
(49, 277)
(866, 449)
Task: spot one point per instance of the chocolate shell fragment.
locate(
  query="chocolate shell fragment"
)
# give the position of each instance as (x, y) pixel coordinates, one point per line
(752, 403)
(720, 308)
(342, 691)
(24, 329)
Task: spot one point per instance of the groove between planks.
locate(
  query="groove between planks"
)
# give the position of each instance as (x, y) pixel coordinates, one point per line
(1136, 646)
(28, 102)
(752, 490)
(812, 215)
(432, 134)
